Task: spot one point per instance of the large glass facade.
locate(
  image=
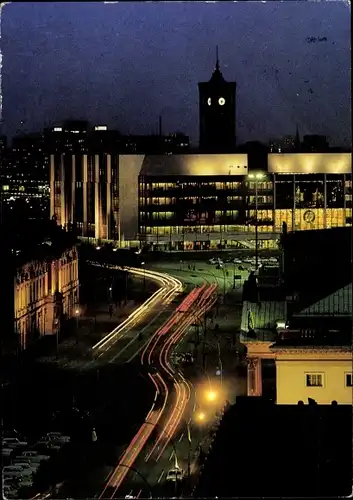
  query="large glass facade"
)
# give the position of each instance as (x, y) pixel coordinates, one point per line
(190, 204)
(208, 205)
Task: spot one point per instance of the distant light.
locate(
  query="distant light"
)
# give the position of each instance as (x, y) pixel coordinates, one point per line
(98, 248)
(100, 127)
(142, 263)
(58, 129)
(218, 373)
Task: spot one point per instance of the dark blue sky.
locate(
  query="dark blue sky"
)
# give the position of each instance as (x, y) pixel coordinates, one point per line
(124, 64)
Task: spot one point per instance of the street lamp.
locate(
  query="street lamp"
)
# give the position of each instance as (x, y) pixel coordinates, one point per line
(211, 395)
(200, 417)
(77, 314)
(219, 356)
(256, 176)
(144, 275)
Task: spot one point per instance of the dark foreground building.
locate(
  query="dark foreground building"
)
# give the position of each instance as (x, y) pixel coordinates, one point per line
(264, 450)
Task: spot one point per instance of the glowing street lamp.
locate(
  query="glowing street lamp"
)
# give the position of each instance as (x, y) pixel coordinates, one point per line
(211, 396)
(77, 314)
(257, 177)
(200, 417)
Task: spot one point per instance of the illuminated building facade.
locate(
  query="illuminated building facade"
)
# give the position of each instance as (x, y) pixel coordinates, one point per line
(191, 200)
(323, 373)
(311, 190)
(96, 194)
(202, 201)
(44, 292)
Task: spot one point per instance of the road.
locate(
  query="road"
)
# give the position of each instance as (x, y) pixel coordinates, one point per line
(152, 464)
(171, 421)
(173, 394)
(146, 317)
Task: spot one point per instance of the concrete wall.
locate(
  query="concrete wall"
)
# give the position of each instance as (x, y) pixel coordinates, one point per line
(129, 170)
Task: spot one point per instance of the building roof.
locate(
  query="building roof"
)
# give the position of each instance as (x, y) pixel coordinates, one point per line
(338, 303)
(195, 164)
(310, 163)
(261, 318)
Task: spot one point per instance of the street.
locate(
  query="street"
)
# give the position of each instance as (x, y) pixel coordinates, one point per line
(192, 417)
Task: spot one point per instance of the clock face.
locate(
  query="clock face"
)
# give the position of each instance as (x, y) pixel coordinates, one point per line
(209, 101)
(221, 101)
(309, 216)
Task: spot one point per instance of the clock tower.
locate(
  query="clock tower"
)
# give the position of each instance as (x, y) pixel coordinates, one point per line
(217, 113)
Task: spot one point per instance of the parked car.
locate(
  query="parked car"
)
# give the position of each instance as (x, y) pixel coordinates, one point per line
(33, 466)
(13, 443)
(10, 490)
(237, 261)
(6, 452)
(21, 482)
(16, 468)
(10, 487)
(49, 442)
(175, 475)
(34, 455)
(57, 436)
(16, 474)
(212, 261)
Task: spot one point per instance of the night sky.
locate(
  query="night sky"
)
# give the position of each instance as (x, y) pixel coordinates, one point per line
(124, 64)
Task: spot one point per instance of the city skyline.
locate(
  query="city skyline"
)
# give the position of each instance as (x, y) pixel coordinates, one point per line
(270, 69)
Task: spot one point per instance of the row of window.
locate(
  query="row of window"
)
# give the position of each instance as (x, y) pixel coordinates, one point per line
(317, 379)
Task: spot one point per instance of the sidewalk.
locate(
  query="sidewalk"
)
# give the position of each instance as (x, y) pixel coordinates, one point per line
(92, 327)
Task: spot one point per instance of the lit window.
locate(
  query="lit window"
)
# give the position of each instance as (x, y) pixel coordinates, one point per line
(349, 380)
(314, 380)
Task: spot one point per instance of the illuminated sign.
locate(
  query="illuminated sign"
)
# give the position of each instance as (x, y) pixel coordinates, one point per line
(58, 129)
(100, 127)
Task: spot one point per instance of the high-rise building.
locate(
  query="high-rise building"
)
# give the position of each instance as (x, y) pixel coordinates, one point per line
(217, 113)
(95, 193)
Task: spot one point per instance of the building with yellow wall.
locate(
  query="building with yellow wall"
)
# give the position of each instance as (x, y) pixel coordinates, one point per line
(322, 373)
(312, 350)
(45, 290)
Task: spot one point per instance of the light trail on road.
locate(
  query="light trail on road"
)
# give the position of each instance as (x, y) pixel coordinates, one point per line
(170, 286)
(156, 353)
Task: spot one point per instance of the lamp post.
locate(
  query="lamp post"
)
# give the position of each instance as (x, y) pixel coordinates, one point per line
(77, 314)
(256, 176)
(219, 357)
(144, 275)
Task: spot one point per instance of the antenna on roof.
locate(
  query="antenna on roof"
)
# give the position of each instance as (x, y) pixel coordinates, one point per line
(160, 125)
(217, 60)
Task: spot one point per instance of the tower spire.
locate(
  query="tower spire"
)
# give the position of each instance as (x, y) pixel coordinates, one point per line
(217, 60)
